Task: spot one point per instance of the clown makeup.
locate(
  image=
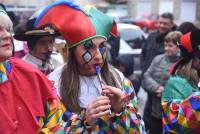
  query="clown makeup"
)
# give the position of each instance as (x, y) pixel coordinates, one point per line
(88, 45)
(87, 56)
(102, 50)
(90, 54)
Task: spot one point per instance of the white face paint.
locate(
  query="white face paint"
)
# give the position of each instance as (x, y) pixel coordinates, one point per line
(87, 56)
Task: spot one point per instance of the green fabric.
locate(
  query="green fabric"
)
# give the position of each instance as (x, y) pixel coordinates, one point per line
(178, 88)
(2, 10)
(101, 22)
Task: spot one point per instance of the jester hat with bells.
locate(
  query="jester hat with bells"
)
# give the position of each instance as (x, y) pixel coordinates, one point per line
(190, 48)
(75, 24)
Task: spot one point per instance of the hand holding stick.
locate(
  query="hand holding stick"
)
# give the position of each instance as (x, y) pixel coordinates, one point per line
(98, 70)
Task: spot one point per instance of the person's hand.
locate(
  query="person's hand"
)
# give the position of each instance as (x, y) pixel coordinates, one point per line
(97, 108)
(116, 96)
(159, 91)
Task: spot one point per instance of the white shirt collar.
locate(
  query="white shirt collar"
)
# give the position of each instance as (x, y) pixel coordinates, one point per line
(32, 60)
(90, 89)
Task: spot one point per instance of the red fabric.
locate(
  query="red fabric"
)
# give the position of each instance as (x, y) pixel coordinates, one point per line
(174, 67)
(114, 30)
(68, 29)
(22, 98)
(186, 42)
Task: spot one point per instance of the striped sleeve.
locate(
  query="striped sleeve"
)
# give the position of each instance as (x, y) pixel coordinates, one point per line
(52, 122)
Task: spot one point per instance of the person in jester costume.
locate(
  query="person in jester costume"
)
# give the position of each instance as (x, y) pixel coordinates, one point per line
(181, 96)
(40, 42)
(97, 96)
(28, 101)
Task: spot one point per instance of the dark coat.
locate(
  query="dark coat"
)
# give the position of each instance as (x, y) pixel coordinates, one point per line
(153, 46)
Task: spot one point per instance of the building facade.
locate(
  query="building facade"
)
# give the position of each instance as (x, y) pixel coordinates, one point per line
(185, 10)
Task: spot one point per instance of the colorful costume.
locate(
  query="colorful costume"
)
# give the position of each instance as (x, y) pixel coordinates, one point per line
(126, 122)
(157, 75)
(79, 26)
(181, 97)
(28, 101)
(129, 121)
(181, 106)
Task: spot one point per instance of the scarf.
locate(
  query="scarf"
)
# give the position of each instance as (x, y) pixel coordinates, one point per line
(5, 67)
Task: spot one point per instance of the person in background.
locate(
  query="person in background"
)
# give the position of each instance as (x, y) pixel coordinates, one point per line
(21, 48)
(155, 41)
(28, 103)
(40, 42)
(97, 96)
(125, 63)
(180, 99)
(157, 75)
(186, 27)
(154, 46)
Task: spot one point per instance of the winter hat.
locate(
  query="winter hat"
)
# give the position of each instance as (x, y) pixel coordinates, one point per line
(75, 24)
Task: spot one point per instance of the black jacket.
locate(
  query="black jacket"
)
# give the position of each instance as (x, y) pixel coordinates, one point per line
(153, 46)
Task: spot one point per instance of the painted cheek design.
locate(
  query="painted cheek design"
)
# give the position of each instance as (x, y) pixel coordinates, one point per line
(88, 44)
(87, 56)
(102, 50)
(103, 53)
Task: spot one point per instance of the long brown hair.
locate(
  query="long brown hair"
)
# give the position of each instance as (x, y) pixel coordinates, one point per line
(189, 72)
(70, 82)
